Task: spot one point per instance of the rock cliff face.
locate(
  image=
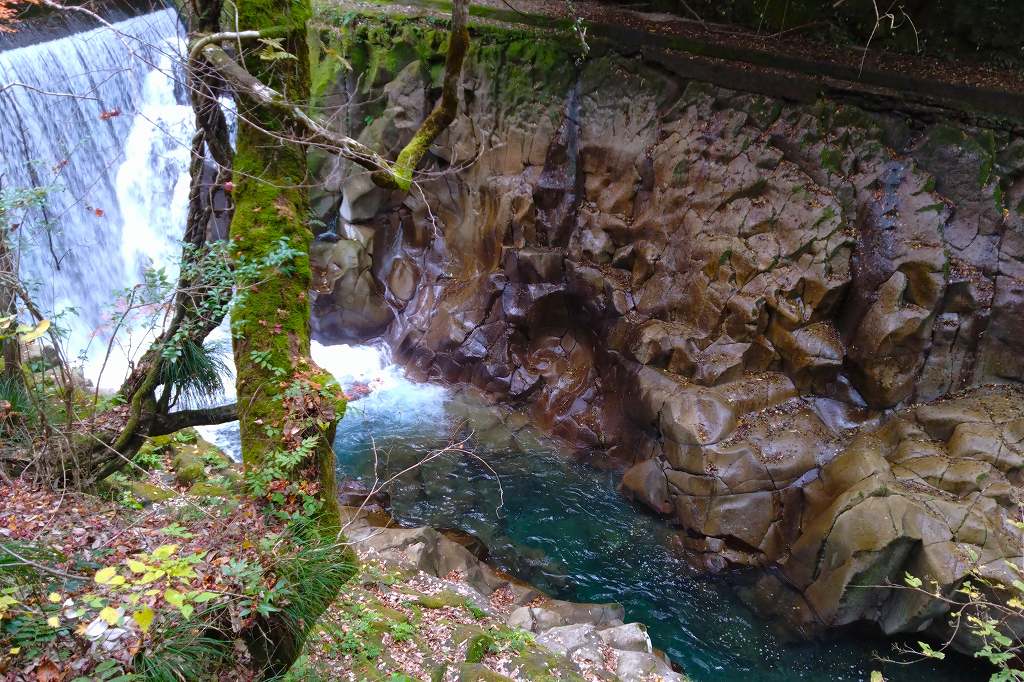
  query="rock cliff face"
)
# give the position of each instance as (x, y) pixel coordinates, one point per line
(800, 327)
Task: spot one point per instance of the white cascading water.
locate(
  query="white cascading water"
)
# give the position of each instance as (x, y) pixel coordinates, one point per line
(112, 151)
(391, 395)
(118, 196)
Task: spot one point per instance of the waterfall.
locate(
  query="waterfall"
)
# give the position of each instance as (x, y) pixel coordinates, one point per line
(114, 161)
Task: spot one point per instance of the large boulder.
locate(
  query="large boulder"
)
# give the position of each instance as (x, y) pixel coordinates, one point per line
(931, 493)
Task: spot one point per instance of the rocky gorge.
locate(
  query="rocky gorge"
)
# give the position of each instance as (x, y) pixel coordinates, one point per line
(796, 326)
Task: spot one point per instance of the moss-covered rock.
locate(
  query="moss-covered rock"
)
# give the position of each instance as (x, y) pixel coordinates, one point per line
(206, 489)
(148, 493)
(478, 646)
(477, 672)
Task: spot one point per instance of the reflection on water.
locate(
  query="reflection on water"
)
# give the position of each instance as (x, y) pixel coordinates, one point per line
(561, 525)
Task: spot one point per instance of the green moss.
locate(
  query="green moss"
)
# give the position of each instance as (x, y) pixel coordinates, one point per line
(478, 647)
(205, 489)
(477, 672)
(831, 160)
(270, 319)
(189, 467)
(527, 67)
(148, 493)
(441, 600)
(541, 666)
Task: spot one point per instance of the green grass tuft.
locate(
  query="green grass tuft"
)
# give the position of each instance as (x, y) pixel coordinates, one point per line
(194, 375)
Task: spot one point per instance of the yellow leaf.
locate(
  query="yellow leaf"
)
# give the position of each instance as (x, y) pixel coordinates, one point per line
(110, 615)
(155, 574)
(136, 566)
(104, 576)
(164, 552)
(34, 333)
(174, 597)
(15, 650)
(53, 597)
(143, 618)
(53, 622)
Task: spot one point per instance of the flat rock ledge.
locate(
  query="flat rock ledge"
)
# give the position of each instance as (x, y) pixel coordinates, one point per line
(559, 639)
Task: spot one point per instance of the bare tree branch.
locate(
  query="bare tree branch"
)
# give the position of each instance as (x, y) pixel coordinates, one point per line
(250, 87)
(444, 112)
(385, 174)
(176, 421)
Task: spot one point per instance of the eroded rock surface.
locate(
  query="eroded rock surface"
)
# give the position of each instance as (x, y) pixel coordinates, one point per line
(762, 309)
(577, 641)
(934, 492)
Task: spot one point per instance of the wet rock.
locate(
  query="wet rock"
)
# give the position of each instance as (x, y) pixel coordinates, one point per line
(471, 542)
(761, 308)
(923, 494)
(355, 494)
(646, 483)
(571, 637)
(347, 301)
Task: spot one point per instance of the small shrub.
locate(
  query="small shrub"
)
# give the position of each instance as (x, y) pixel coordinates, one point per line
(402, 631)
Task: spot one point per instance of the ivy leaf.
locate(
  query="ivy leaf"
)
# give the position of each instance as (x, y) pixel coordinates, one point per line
(143, 618)
(136, 566)
(111, 616)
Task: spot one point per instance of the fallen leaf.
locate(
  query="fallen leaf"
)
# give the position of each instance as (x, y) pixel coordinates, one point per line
(143, 618)
(104, 576)
(47, 672)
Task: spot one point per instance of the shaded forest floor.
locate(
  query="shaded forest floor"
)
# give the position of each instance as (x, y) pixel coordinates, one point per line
(169, 570)
(797, 42)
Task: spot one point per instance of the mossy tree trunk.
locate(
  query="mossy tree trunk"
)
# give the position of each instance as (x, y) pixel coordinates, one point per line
(9, 349)
(270, 322)
(287, 407)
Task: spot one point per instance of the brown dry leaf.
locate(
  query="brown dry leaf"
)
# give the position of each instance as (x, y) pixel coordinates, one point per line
(47, 671)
